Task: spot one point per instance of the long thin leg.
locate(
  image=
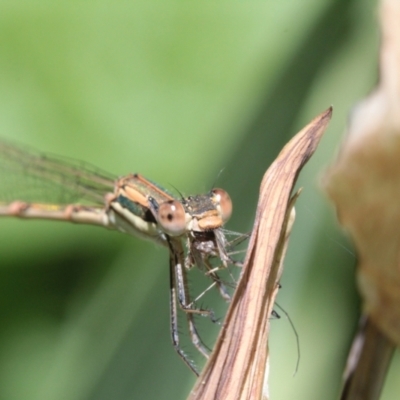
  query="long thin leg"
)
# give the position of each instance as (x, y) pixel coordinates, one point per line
(222, 246)
(217, 281)
(180, 294)
(174, 317)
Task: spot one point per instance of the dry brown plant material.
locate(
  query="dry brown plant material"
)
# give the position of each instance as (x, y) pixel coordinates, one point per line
(364, 184)
(237, 367)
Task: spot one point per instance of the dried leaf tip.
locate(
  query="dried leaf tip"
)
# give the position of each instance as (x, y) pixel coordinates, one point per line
(238, 365)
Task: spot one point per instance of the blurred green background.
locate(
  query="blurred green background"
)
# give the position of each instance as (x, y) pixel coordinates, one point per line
(177, 91)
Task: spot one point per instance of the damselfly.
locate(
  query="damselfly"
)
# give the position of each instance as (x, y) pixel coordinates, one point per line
(189, 227)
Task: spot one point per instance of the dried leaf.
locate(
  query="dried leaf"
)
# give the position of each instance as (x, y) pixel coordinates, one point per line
(364, 183)
(237, 367)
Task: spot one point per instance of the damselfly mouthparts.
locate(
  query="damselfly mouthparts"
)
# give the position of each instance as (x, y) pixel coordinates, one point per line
(189, 227)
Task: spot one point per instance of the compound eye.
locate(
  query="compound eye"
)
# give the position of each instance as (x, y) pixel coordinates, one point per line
(172, 217)
(223, 203)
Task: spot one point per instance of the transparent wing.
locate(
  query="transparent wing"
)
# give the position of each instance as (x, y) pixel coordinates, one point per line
(30, 176)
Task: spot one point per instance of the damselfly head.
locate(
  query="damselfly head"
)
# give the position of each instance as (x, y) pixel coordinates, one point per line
(200, 213)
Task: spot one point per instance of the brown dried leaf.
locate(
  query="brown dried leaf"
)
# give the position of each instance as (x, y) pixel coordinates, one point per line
(364, 183)
(237, 367)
